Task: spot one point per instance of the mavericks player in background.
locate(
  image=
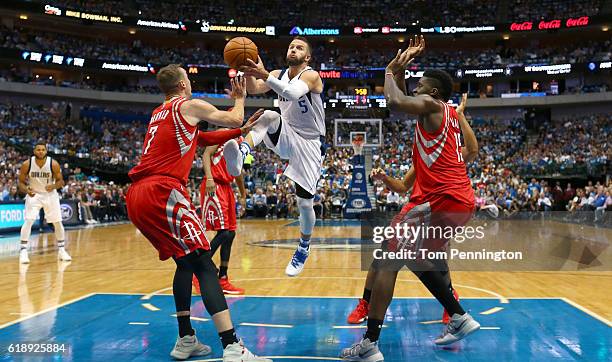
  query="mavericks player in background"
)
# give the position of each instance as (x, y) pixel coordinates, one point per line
(296, 134)
(160, 207)
(442, 196)
(39, 178)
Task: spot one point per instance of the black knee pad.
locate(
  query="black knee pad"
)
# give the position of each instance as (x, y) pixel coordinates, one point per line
(301, 192)
(206, 272)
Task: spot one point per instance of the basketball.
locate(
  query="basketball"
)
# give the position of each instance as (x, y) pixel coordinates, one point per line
(238, 50)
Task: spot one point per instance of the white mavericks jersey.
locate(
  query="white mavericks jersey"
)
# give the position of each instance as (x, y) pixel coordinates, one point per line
(306, 115)
(39, 177)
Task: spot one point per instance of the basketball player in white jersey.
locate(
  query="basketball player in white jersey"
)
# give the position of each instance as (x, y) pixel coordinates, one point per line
(296, 134)
(39, 178)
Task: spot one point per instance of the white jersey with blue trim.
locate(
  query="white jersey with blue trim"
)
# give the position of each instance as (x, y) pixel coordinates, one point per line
(305, 115)
(40, 177)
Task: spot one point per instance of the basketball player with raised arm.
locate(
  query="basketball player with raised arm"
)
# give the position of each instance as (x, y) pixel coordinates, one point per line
(160, 207)
(469, 153)
(442, 196)
(296, 134)
(39, 179)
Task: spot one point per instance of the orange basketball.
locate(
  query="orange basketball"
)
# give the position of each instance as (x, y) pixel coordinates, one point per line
(238, 50)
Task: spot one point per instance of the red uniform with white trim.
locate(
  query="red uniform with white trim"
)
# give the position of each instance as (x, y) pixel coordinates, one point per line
(442, 194)
(219, 211)
(158, 202)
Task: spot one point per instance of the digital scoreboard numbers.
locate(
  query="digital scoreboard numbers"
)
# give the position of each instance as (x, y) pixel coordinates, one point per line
(359, 98)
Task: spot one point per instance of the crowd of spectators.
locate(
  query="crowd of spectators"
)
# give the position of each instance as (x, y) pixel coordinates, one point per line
(572, 146)
(334, 14)
(324, 56)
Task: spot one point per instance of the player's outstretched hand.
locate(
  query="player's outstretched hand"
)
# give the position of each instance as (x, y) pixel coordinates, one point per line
(378, 174)
(251, 122)
(257, 70)
(238, 91)
(461, 108)
(402, 59)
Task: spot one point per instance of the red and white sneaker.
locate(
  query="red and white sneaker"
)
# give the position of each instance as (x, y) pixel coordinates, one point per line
(229, 288)
(445, 316)
(360, 313)
(196, 284)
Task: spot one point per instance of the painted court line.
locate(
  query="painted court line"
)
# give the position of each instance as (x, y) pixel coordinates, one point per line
(150, 307)
(46, 310)
(279, 357)
(492, 328)
(431, 322)
(354, 327)
(492, 310)
(139, 323)
(587, 311)
(266, 325)
(193, 318)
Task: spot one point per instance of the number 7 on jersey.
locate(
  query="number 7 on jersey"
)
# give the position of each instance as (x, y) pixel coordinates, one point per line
(152, 131)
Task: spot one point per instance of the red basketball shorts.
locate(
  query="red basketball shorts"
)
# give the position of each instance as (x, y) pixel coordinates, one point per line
(161, 209)
(219, 211)
(434, 224)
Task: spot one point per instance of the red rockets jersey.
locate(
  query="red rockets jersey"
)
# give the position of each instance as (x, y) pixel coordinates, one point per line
(218, 168)
(169, 146)
(440, 169)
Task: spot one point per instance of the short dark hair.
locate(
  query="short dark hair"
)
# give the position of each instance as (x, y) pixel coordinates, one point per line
(40, 143)
(168, 77)
(301, 38)
(444, 82)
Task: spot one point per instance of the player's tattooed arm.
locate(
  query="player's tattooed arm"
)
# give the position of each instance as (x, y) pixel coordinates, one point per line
(23, 178)
(57, 175)
(470, 148)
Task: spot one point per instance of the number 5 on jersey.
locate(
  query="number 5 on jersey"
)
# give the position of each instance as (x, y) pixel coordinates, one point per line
(303, 106)
(152, 131)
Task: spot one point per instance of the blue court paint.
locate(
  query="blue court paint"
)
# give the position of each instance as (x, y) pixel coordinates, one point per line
(97, 329)
(332, 222)
(315, 243)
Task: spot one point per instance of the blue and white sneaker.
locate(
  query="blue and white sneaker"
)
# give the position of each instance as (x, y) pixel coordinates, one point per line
(458, 328)
(364, 351)
(296, 265)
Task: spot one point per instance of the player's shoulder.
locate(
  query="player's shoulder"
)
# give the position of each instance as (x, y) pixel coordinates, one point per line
(26, 163)
(276, 72)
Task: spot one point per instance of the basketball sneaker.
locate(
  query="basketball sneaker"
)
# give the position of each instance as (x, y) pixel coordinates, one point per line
(296, 265)
(360, 313)
(237, 352)
(23, 257)
(63, 255)
(234, 158)
(458, 328)
(229, 288)
(364, 351)
(445, 316)
(196, 284)
(188, 346)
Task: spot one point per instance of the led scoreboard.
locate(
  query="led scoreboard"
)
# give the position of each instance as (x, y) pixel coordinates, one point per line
(358, 98)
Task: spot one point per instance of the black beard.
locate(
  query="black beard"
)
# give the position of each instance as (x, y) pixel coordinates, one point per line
(292, 62)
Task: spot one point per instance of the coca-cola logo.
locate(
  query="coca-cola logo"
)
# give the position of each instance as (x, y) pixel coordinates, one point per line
(581, 21)
(527, 25)
(553, 24)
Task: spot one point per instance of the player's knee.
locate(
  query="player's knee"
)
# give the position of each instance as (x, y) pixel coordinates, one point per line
(305, 204)
(227, 236)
